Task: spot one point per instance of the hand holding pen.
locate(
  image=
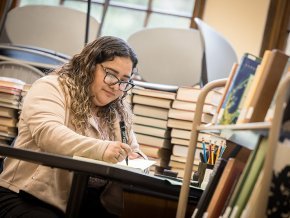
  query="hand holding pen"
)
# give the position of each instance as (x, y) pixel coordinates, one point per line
(116, 151)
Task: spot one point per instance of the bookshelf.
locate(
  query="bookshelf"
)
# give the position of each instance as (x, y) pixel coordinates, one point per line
(271, 128)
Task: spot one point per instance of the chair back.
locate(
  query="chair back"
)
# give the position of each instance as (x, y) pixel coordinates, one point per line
(39, 58)
(171, 56)
(219, 55)
(21, 71)
(57, 28)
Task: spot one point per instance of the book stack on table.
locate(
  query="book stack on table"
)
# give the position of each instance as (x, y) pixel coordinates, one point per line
(180, 119)
(10, 98)
(150, 107)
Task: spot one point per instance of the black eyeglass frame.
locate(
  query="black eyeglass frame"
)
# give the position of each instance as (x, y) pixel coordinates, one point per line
(117, 81)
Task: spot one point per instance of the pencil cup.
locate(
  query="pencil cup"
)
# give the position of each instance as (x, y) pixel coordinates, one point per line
(204, 171)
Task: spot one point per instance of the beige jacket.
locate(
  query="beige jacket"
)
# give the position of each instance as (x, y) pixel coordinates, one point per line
(45, 126)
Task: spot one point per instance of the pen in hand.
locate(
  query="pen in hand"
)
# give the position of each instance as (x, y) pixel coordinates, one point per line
(123, 136)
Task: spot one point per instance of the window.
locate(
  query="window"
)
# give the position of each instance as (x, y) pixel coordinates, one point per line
(123, 17)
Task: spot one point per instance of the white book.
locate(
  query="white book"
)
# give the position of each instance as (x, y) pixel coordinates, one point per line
(153, 141)
(181, 151)
(152, 101)
(149, 121)
(153, 131)
(134, 164)
(191, 106)
(149, 111)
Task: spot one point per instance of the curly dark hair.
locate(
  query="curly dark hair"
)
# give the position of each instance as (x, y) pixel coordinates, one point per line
(79, 73)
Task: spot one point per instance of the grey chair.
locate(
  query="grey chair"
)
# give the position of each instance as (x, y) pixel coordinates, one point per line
(57, 28)
(21, 71)
(219, 54)
(44, 60)
(171, 56)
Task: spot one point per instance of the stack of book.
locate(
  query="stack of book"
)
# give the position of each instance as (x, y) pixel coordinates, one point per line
(180, 119)
(150, 108)
(10, 97)
(24, 91)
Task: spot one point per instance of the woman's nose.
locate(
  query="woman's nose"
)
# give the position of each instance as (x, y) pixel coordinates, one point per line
(115, 86)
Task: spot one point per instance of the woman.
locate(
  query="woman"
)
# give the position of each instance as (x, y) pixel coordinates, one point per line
(74, 111)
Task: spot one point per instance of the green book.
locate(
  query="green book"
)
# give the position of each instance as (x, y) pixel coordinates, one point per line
(229, 205)
(250, 180)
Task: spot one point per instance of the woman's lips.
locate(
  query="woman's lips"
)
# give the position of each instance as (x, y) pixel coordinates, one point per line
(109, 93)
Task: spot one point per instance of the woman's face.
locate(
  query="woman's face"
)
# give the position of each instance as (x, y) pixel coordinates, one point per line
(102, 93)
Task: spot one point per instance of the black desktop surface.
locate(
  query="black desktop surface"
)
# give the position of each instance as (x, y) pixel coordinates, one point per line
(131, 180)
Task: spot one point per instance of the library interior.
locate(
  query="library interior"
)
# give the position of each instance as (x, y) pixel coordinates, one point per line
(145, 108)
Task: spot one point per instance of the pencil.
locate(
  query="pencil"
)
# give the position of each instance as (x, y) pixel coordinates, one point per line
(204, 151)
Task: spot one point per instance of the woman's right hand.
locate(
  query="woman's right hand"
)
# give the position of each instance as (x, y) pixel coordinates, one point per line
(116, 152)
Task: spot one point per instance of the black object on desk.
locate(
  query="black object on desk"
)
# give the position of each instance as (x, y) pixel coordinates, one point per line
(123, 136)
(133, 181)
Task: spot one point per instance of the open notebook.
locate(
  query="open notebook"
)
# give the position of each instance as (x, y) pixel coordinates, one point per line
(135, 164)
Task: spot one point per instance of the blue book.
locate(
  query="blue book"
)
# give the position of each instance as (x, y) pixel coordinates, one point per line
(230, 107)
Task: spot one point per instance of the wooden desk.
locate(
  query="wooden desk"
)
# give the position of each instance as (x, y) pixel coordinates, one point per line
(143, 206)
(139, 183)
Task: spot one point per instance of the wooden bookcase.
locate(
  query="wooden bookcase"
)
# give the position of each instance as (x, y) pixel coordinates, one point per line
(272, 128)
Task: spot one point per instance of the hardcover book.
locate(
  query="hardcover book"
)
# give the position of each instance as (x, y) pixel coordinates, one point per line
(179, 124)
(188, 115)
(191, 106)
(250, 180)
(185, 134)
(154, 93)
(10, 132)
(153, 141)
(247, 67)
(182, 151)
(155, 152)
(232, 172)
(9, 122)
(149, 111)
(148, 121)
(210, 188)
(190, 94)
(8, 112)
(150, 151)
(152, 131)
(151, 101)
(264, 84)
(11, 83)
(227, 86)
(230, 202)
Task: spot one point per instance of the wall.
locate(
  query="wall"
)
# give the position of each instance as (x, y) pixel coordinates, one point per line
(242, 22)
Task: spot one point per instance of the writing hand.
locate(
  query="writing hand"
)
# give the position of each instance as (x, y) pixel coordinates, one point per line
(116, 152)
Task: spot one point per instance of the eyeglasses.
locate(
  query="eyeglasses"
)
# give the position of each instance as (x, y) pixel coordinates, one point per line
(110, 79)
